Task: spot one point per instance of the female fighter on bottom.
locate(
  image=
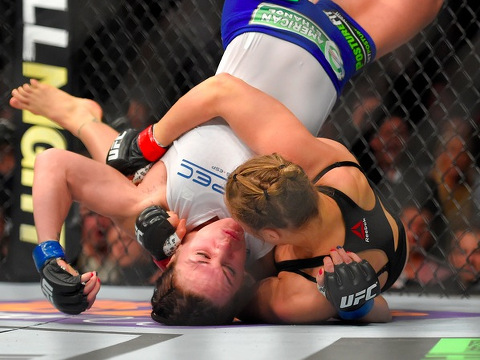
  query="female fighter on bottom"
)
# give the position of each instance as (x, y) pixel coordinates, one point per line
(267, 126)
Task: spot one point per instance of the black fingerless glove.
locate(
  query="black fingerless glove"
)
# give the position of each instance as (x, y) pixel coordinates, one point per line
(133, 150)
(155, 233)
(351, 289)
(62, 289)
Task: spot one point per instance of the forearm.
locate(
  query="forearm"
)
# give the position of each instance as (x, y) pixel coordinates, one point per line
(51, 199)
(287, 300)
(192, 109)
(256, 118)
(379, 313)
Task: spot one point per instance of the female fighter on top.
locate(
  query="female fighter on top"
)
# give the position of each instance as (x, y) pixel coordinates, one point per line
(421, 17)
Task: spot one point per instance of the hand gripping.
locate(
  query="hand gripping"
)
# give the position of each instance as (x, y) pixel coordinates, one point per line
(133, 150)
(155, 233)
(351, 288)
(62, 289)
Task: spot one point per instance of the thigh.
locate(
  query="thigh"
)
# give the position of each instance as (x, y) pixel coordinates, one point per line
(285, 71)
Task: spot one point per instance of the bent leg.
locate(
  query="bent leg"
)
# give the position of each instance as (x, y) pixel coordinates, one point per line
(82, 117)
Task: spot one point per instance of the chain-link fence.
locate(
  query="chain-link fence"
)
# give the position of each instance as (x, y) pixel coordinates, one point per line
(412, 119)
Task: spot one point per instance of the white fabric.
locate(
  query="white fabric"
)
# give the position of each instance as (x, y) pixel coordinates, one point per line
(285, 71)
(197, 166)
(199, 162)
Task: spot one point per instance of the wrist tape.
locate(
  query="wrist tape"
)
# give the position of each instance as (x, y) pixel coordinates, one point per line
(151, 149)
(45, 251)
(359, 313)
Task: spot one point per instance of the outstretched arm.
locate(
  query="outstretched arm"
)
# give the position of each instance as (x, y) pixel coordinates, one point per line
(287, 298)
(261, 121)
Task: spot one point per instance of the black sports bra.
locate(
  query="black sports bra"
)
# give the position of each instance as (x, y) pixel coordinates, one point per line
(364, 230)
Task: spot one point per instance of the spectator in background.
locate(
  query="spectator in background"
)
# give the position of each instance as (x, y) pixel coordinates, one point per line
(94, 253)
(390, 164)
(381, 146)
(117, 258)
(387, 145)
(464, 255)
(454, 171)
(425, 266)
(133, 264)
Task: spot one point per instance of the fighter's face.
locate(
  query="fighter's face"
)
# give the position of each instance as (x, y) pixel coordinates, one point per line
(211, 262)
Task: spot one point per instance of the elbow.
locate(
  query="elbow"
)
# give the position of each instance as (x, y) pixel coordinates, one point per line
(223, 84)
(216, 91)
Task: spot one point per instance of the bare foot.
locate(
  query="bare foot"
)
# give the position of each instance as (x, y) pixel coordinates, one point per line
(64, 109)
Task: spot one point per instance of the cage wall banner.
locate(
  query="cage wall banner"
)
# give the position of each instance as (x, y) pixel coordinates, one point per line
(43, 52)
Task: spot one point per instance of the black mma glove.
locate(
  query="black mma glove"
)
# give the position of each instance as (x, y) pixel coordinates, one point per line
(62, 289)
(155, 233)
(133, 150)
(351, 289)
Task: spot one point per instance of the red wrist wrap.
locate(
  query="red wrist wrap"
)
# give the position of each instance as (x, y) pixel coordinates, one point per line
(148, 145)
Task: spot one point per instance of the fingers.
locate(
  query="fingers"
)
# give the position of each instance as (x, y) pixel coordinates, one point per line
(92, 286)
(67, 267)
(321, 277)
(92, 295)
(86, 279)
(339, 255)
(321, 281)
(354, 256)
(182, 228)
(328, 264)
(173, 218)
(178, 224)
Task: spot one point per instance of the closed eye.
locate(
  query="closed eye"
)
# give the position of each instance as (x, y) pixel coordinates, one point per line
(228, 275)
(231, 270)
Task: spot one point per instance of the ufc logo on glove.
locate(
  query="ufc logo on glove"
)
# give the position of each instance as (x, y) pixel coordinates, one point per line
(354, 299)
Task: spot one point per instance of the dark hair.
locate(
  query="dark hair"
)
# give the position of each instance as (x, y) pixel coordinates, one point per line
(172, 305)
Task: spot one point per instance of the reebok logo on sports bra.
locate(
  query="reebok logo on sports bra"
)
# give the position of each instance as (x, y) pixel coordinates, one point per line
(361, 230)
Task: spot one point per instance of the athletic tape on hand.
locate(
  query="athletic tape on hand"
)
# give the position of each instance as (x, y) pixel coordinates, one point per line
(47, 250)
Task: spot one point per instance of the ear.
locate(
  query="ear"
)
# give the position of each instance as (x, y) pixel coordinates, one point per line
(271, 236)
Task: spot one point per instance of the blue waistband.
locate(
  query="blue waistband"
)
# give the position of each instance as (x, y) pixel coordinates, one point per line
(326, 31)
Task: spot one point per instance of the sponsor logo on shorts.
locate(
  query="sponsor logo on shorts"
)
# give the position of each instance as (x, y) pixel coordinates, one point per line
(282, 18)
(361, 230)
(357, 41)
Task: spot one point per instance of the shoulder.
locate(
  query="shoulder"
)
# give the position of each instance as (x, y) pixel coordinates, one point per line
(349, 179)
(322, 152)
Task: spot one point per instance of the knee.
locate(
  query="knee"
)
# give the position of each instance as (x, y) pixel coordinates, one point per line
(48, 159)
